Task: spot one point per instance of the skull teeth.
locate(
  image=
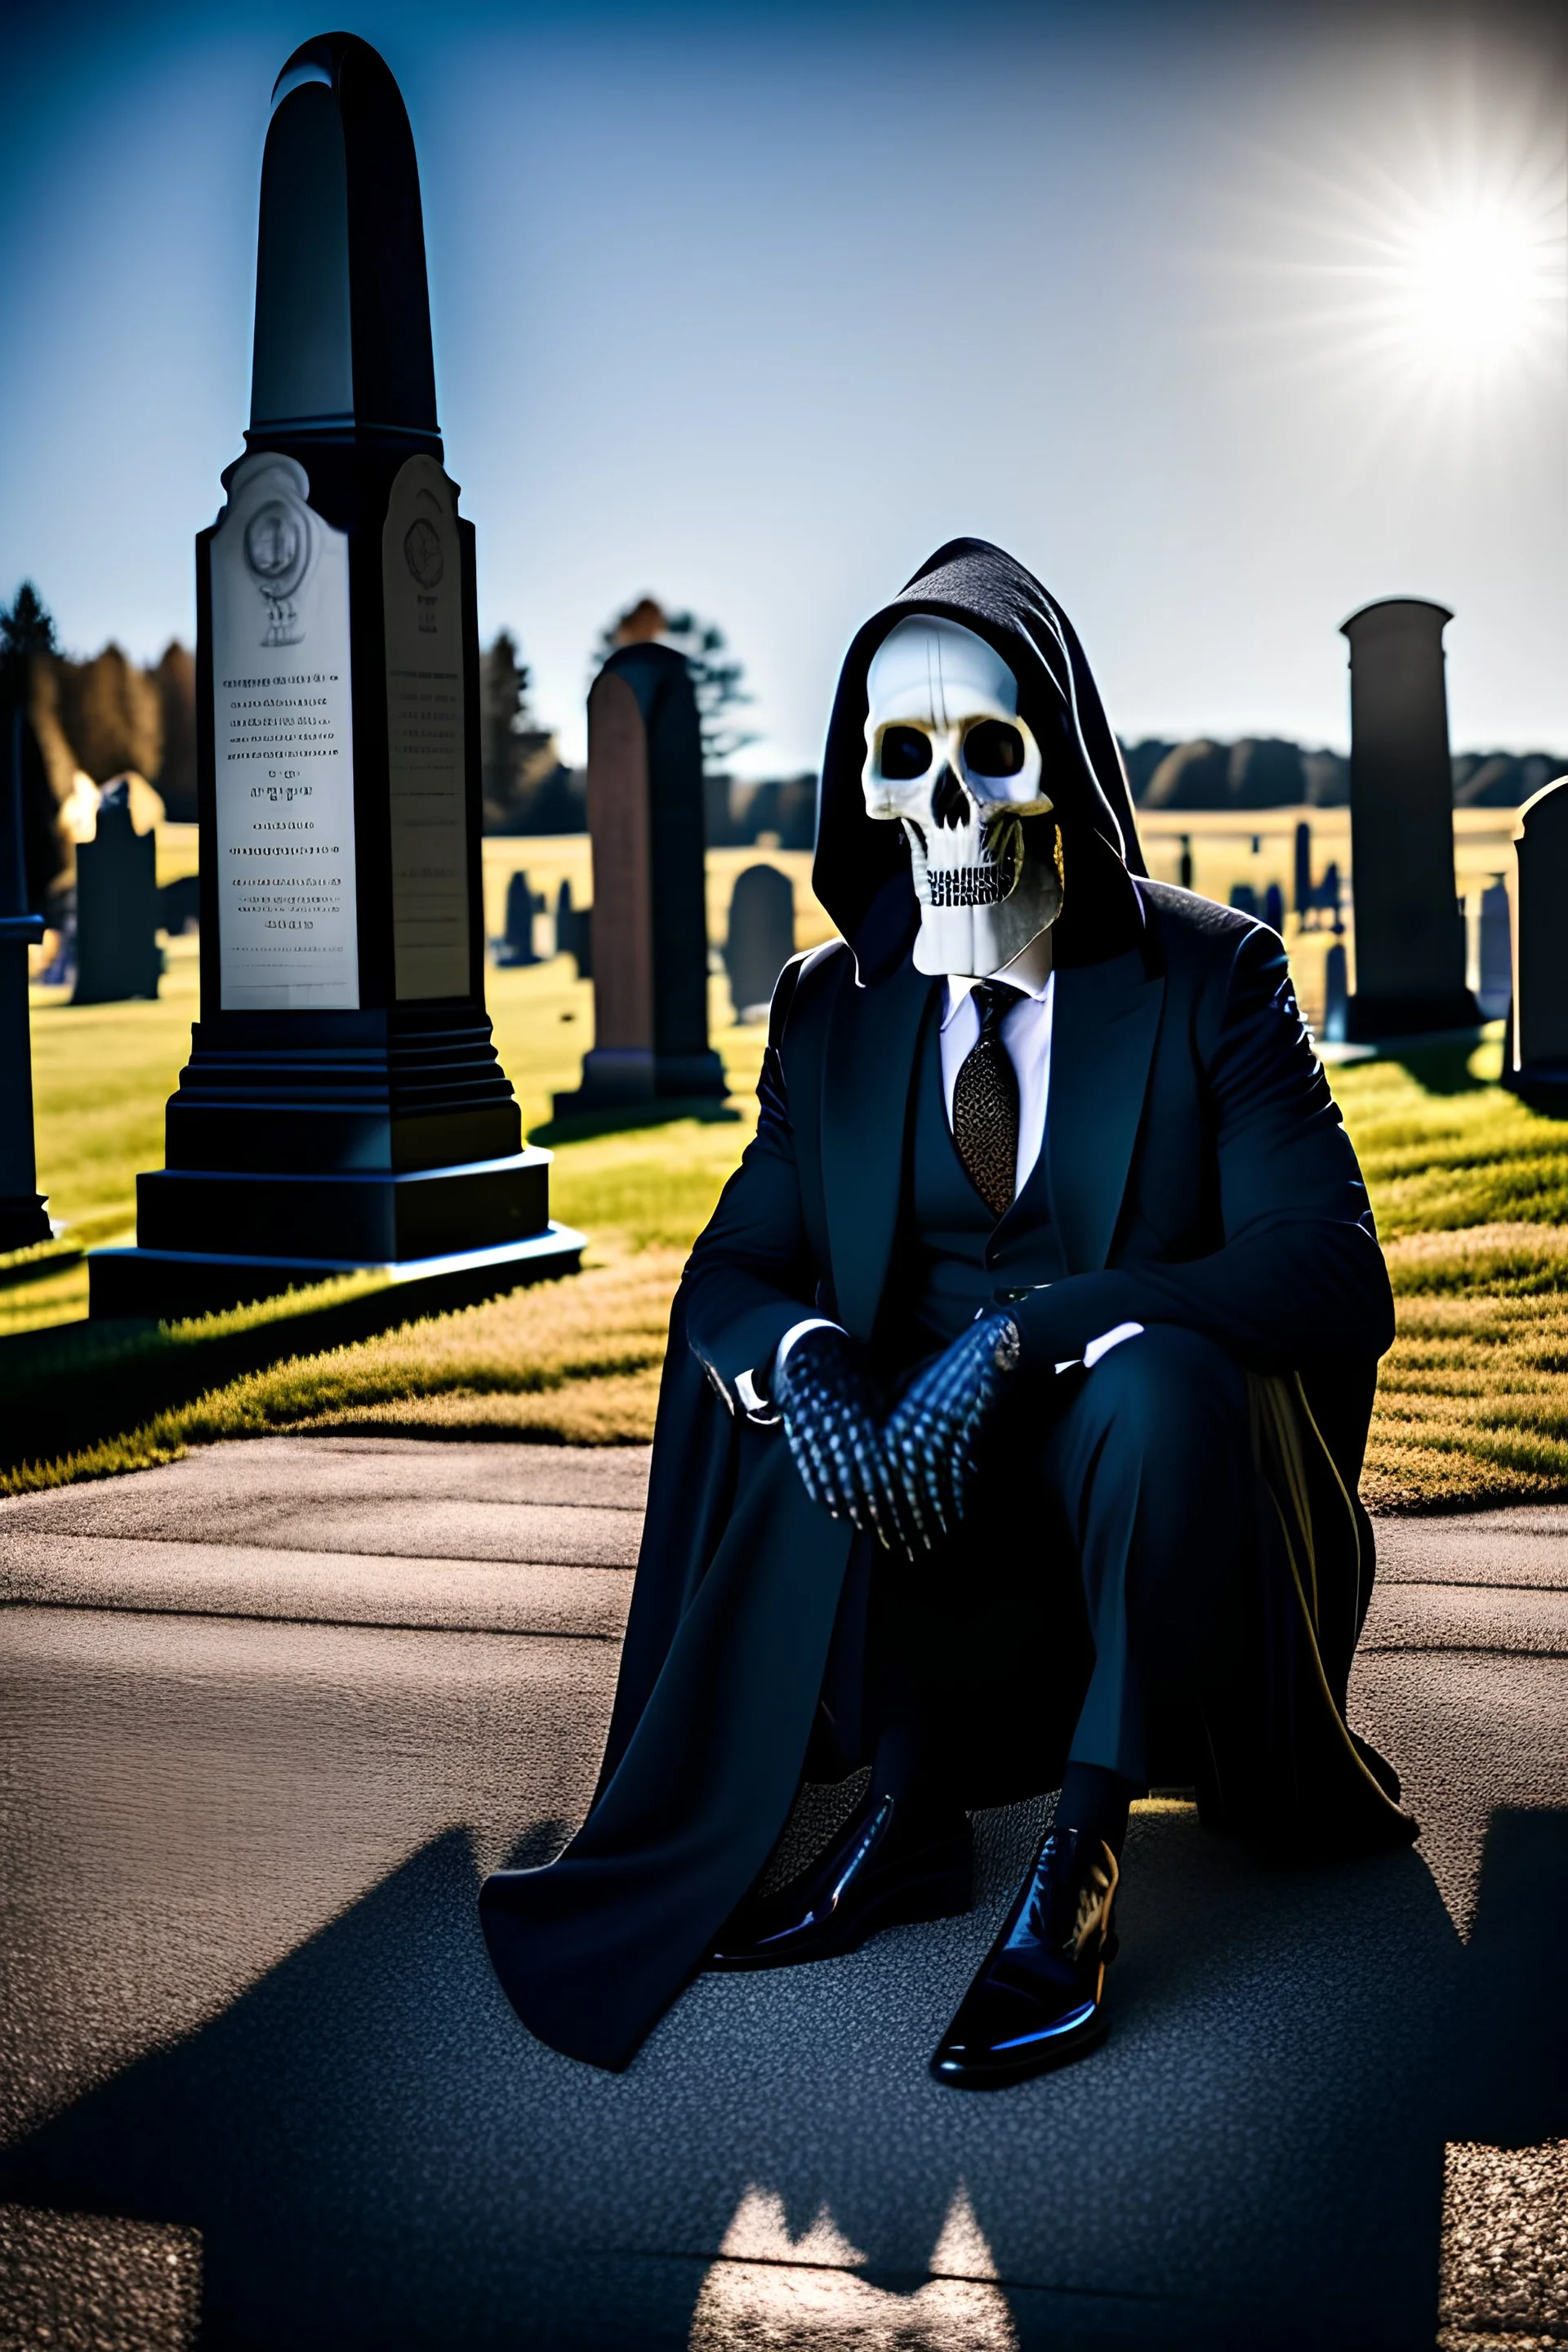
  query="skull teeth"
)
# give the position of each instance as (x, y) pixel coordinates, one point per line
(967, 885)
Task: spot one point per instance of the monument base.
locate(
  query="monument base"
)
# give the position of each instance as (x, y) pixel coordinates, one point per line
(170, 1286)
(1543, 1085)
(366, 1217)
(616, 1077)
(24, 1221)
(1370, 1019)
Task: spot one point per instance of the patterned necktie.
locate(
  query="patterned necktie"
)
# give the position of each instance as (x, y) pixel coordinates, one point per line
(986, 1100)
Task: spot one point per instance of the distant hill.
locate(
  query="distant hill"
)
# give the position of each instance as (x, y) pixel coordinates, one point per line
(1266, 772)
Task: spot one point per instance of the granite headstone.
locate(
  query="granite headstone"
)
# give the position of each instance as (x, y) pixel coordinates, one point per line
(1536, 1064)
(575, 931)
(1409, 934)
(760, 938)
(117, 908)
(516, 944)
(1304, 895)
(650, 925)
(1336, 995)
(1494, 991)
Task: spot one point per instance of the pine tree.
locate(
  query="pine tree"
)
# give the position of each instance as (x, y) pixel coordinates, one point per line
(517, 756)
(175, 681)
(26, 664)
(26, 627)
(112, 713)
(716, 674)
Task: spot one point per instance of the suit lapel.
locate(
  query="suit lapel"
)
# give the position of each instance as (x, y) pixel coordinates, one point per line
(1103, 1030)
(867, 1075)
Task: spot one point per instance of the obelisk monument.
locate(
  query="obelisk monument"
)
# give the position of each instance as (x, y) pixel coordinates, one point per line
(1409, 937)
(343, 1105)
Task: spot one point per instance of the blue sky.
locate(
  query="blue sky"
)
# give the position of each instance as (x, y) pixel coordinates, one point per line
(1225, 322)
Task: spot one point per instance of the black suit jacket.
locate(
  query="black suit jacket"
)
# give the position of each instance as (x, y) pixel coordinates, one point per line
(1198, 1169)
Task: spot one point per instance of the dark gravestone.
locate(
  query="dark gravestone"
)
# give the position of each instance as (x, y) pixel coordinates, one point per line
(1274, 908)
(516, 946)
(1336, 995)
(575, 931)
(1409, 943)
(117, 916)
(797, 814)
(1314, 899)
(180, 906)
(1495, 989)
(717, 812)
(651, 923)
(1536, 1066)
(343, 1105)
(1328, 896)
(761, 938)
(1244, 898)
(22, 1219)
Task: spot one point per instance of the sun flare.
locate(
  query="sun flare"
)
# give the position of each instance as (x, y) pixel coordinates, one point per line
(1414, 262)
(1474, 284)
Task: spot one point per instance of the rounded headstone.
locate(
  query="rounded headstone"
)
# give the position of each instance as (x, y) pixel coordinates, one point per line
(760, 939)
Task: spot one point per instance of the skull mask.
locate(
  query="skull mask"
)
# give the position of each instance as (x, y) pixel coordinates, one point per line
(949, 757)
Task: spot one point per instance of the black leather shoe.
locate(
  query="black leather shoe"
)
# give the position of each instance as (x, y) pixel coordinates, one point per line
(884, 1869)
(1034, 2003)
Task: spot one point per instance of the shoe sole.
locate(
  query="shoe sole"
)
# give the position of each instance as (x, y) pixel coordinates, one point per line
(1003, 2076)
(946, 1897)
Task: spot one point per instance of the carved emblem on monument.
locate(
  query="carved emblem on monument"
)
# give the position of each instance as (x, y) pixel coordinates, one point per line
(421, 552)
(280, 549)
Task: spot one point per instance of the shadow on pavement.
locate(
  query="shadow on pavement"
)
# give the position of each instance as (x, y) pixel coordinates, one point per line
(1512, 2060)
(376, 2154)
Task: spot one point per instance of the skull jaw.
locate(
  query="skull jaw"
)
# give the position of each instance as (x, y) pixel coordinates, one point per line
(977, 942)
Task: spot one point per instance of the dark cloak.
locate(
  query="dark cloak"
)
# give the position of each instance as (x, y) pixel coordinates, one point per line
(1198, 1174)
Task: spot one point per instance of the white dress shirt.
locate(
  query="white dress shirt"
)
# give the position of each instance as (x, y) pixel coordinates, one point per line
(1026, 1035)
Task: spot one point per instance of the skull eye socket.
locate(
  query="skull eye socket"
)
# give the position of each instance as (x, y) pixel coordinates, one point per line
(905, 752)
(993, 749)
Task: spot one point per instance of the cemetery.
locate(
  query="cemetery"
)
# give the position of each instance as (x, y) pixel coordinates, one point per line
(437, 1453)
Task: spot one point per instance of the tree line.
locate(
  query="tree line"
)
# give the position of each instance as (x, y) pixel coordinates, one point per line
(1263, 772)
(108, 716)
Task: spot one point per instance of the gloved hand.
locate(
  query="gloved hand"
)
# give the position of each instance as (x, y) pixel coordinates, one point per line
(928, 1443)
(832, 1420)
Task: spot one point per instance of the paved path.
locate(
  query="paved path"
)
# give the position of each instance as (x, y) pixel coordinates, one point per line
(271, 1712)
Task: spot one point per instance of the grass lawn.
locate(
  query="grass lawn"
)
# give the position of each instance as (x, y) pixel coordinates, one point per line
(1471, 1192)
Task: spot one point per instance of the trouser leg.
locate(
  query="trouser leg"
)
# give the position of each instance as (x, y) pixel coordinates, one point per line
(1151, 1462)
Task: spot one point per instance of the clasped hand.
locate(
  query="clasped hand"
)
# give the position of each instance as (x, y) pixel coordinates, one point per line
(901, 1475)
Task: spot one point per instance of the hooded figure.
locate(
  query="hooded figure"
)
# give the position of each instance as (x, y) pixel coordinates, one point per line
(1015, 1396)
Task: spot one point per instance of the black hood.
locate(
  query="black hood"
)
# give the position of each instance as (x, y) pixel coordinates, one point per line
(861, 873)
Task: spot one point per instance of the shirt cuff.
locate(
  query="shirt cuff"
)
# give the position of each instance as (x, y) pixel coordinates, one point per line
(1102, 1346)
(1107, 1340)
(756, 1404)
